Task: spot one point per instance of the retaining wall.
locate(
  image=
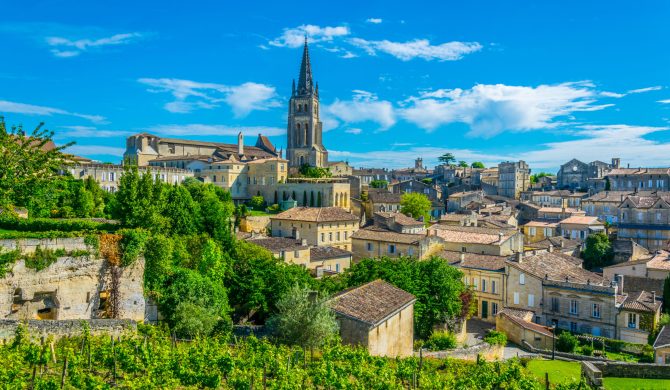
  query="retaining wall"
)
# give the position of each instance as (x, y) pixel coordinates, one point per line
(65, 328)
(28, 245)
(594, 372)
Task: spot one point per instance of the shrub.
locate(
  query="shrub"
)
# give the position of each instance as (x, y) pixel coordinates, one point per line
(7, 259)
(587, 350)
(566, 342)
(495, 338)
(47, 224)
(41, 259)
(441, 340)
(132, 245)
(257, 202)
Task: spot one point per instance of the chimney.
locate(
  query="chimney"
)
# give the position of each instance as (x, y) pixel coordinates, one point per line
(620, 284)
(653, 296)
(550, 249)
(519, 257)
(562, 243)
(461, 256)
(303, 242)
(240, 144)
(500, 236)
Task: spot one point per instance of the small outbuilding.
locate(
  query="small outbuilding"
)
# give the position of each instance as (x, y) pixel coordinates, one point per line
(378, 316)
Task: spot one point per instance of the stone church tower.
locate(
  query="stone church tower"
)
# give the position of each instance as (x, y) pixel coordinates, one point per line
(304, 144)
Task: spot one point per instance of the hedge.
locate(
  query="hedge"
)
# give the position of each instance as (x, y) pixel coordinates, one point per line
(62, 225)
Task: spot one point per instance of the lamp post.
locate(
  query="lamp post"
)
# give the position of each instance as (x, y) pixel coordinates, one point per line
(553, 344)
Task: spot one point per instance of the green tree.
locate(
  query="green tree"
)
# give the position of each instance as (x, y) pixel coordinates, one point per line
(257, 202)
(598, 252)
(427, 180)
(566, 342)
(478, 164)
(192, 320)
(415, 205)
(303, 318)
(84, 203)
(447, 158)
(463, 164)
(27, 162)
(181, 211)
(379, 184)
(307, 170)
(534, 177)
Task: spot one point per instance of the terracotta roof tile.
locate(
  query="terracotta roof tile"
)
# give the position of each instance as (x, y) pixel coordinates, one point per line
(371, 303)
(474, 260)
(276, 244)
(471, 234)
(316, 214)
(319, 253)
(663, 338)
(557, 266)
(581, 220)
(375, 233)
(641, 301)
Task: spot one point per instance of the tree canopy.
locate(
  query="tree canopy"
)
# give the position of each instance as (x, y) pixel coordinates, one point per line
(415, 205)
(307, 170)
(447, 158)
(598, 252)
(478, 164)
(463, 164)
(379, 184)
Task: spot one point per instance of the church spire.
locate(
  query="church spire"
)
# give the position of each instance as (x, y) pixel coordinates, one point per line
(305, 79)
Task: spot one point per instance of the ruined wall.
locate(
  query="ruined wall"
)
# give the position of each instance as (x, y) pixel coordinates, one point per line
(71, 289)
(28, 245)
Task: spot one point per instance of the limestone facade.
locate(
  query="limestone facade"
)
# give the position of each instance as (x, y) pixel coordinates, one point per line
(513, 178)
(327, 226)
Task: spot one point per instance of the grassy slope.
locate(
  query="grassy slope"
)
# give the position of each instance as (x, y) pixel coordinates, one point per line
(559, 371)
(634, 383)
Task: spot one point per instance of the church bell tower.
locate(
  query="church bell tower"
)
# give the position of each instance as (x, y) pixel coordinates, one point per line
(304, 143)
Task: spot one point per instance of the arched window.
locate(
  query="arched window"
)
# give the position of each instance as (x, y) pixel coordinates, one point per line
(305, 139)
(299, 108)
(298, 126)
(305, 107)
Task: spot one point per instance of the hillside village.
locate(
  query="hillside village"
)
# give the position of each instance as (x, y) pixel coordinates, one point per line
(212, 238)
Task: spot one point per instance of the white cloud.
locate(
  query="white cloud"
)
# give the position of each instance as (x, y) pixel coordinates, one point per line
(89, 132)
(405, 158)
(418, 48)
(354, 130)
(647, 89)
(612, 94)
(88, 150)
(191, 95)
(64, 47)
(295, 37)
(602, 142)
(29, 109)
(374, 20)
(364, 106)
(215, 130)
(492, 109)
(664, 101)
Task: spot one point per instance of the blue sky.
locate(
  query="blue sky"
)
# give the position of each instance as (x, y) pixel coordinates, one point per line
(487, 80)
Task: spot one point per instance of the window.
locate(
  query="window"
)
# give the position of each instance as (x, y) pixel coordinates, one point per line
(531, 300)
(369, 246)
(467, 281)
(555, 304)
(548, 232)
(391, 248)
(595, 312)
(323, 237)
(282, 254)
(483, 285)
(574, 307)
(632, 320)
(330, 236)
(410, 251)
(494, 308)
(532, 231)
(338, 236)
(296, 254)
(337, 267)
(516, 298)
(475, 283)
(112, 176)
(658, 217)
(573, 327)
(522, 278)
(493, 287)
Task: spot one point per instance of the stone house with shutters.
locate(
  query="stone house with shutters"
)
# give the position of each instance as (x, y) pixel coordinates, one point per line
(605, 205)
(639, 179)
(580, 227)
(539, 230)
(377, 316)
(662, 346)
(488, 241)
(320, 226)
(393, 235)
(646, 220)
(639, 313)
(485, 274)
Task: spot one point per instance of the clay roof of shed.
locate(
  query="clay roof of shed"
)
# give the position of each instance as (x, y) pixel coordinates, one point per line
(383, 196)
(641, 301)
(581, 220)
(275, 244)
(400, 218)
(471, 234)
(527, 324)
(319, 253)
(474, 260)
(663, 338)
(371, 303)
(316, 214)
(556, 267)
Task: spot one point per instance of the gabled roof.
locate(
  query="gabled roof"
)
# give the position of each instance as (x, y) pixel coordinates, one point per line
(556, 266)
(371, 303)
(581, 220)
(652, 200)
(316, 214)
(320, 253)
(663, 338)
(526, 324)
(276, 244)
(471, 234)
(474, 260)
(374, 233)
(383, 196)
(400, 218)
(641, 301)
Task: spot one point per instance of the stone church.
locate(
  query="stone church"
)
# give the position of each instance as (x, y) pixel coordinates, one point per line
(304, 132)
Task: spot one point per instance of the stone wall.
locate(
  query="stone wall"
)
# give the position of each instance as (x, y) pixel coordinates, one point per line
(71, 289)
(594, 372)
(63, 328)
(28, 245)
(483, 351)
(255, 224)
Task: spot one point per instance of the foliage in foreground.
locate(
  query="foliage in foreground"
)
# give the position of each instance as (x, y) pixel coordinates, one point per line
(150, 359)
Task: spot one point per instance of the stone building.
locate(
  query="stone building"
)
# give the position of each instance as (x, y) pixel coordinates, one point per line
(460, 200)
(519, 327)
(649, 266)
(340, 168)
(485, 274)
(579, 175)
(646, 220)
(319, 260)
(109, 175)
(393, 235)
(488, 179)
(307, 192)
(605, 204)
(72, 288)
(539, 230)
(558, 213)
(368, 175)
(638, 316)
(381, 200)
(556, 198)
(580, 227)
(325, 226)
(488, 241)
(639, 179)
(377, 316)
(304, 131)
(513, 178)
(662, 346)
